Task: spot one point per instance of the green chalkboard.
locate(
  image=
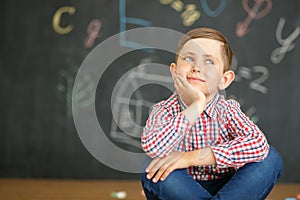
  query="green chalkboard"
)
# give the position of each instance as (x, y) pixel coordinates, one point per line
(44, 43)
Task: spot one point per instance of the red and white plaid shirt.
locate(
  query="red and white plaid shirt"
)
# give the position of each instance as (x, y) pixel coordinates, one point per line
(233, 138)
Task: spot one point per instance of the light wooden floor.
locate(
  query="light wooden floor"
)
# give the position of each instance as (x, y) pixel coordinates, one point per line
(48, 189)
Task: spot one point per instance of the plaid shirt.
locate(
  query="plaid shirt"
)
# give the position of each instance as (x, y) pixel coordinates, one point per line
(233, 138)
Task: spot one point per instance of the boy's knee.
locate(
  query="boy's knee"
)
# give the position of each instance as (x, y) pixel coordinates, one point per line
(271, 165)
(167, 186)
(275, 159)
(167, 183)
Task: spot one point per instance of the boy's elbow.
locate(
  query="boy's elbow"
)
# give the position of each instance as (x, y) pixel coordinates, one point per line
(148, 148)
(150, 152)
(265, 148)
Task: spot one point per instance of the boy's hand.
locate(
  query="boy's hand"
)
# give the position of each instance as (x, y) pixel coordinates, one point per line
(186, 91)
(160, 168)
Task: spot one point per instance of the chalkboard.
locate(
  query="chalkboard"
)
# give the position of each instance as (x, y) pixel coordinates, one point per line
(43, 46)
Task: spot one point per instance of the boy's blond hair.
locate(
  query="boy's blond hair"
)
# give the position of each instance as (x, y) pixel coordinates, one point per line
(208, 33)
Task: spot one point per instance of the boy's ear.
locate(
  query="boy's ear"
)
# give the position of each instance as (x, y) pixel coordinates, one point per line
(226, 80)
(172, 68)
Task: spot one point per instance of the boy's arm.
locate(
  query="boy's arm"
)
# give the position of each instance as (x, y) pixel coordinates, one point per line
(164, 129)
(160, 168)
(249, 144)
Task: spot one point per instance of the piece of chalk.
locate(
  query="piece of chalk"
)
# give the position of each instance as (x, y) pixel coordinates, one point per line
(119, 195)
(290, 198)
(298, 196)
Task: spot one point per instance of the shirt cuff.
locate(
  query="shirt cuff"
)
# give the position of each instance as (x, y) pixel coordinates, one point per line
(222, 156)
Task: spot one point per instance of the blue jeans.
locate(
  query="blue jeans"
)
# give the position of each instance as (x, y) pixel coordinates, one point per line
(252, 181)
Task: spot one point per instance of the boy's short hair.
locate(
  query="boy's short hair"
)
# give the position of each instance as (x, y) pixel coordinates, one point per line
(208, 33)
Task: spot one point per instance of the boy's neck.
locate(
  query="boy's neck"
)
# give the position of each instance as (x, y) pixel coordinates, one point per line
(210, 97)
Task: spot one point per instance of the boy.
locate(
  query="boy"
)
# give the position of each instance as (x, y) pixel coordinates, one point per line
(204, 147)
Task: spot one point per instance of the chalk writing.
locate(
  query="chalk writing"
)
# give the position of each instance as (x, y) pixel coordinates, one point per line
(251, 74)
(129, 20)
(175, 4)
(57, 19)
(287, 44)
(65, 88)
(93, 33)
(242, 27)
(190, 13)
(217, 11)
(128, 101)
(256, 84)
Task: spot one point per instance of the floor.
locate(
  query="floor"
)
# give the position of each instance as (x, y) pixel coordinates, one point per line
(49, 189)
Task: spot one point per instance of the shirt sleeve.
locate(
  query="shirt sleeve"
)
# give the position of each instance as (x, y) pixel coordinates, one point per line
(163, 131)
(248, 143)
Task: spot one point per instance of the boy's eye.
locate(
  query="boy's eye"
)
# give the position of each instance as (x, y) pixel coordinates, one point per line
(188, 59)
(209, 61)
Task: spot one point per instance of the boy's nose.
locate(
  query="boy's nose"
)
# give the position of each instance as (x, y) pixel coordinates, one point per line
(195, 69)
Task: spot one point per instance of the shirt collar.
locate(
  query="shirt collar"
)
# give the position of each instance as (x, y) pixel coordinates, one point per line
(210, 109)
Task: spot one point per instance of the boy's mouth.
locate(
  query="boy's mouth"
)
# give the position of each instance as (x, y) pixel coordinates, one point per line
(195, 79)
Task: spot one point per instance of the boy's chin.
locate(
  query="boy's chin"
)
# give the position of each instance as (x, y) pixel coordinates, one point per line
(211, 94)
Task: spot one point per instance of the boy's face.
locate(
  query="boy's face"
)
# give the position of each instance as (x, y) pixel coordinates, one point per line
(200, 62)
